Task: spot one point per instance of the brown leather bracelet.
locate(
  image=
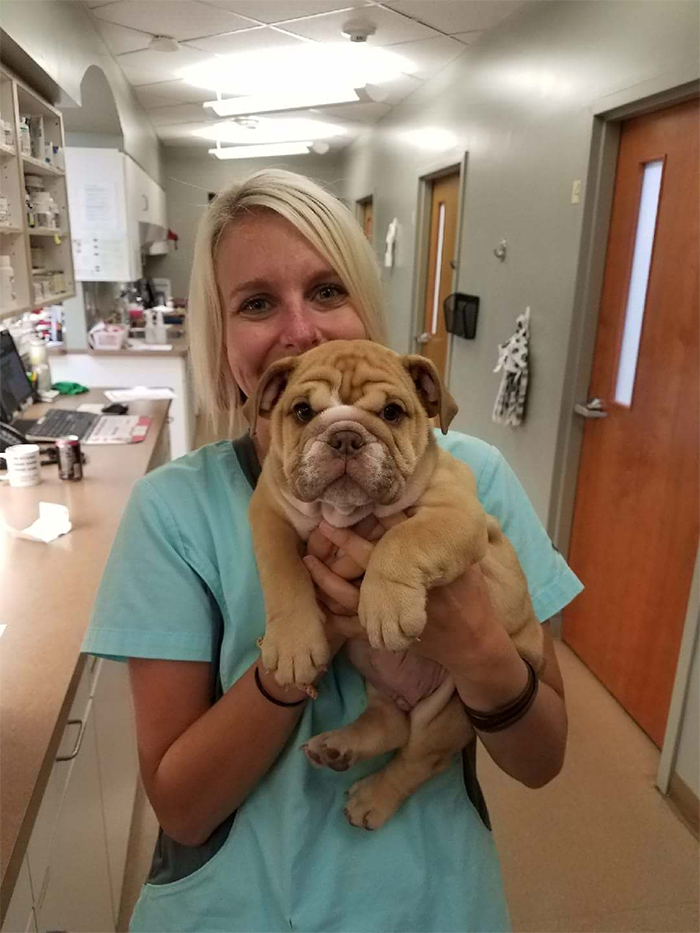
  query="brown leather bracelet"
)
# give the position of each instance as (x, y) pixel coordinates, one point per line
(258, 684)
(508, 715)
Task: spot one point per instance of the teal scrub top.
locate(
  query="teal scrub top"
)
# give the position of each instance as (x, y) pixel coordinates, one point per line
(181, 583)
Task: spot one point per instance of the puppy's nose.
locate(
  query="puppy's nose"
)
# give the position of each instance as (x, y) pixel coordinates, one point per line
(346, 443)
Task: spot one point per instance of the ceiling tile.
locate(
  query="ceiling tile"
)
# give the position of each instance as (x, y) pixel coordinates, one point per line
(468, 38)
(275, 11)
(163, 93)
(178, 113)
(391, 27)
(430, 55)
(181, 20)
(149, 67)
(249, 40)
(119, 39)
(451, 16)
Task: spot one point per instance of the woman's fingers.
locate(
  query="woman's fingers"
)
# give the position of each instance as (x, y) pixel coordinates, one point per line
(356, 547)
(345, 594)
(319, 546)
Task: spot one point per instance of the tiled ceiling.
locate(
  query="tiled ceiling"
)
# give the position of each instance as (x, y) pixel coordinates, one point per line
(431, 33)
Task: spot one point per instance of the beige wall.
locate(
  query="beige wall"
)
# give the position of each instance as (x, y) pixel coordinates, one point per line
(520, 104)
(59, 36)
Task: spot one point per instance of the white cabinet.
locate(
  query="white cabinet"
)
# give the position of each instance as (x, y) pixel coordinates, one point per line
(73, 870)
(113, 202)
(118, 763)
(77, 895)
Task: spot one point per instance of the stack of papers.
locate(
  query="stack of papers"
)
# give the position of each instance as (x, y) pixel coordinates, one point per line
(139, 392)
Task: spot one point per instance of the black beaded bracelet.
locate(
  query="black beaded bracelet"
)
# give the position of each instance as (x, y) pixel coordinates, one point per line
(258, 684)
(508, 715)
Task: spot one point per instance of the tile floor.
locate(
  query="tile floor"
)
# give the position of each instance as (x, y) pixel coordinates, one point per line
(596, 851)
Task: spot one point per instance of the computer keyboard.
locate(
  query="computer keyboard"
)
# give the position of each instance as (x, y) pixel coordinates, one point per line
(59, 422)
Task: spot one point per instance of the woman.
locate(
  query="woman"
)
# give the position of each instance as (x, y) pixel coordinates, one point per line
(253, 837)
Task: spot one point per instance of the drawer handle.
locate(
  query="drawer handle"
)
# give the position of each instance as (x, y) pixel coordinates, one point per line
(78, 741)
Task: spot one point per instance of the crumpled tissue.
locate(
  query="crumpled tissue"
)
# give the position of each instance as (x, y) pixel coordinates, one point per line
(53, 521)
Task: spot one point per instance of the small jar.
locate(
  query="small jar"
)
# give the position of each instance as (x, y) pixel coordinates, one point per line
(8, 295)
(4, 211)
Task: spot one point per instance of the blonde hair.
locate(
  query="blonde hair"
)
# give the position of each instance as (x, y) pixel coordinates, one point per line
(328, 226)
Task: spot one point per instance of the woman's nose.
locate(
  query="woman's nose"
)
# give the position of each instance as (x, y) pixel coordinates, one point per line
(300, 332)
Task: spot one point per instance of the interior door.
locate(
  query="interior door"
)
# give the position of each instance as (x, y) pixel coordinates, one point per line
(366, 211)
(441, 256)
(635, 528)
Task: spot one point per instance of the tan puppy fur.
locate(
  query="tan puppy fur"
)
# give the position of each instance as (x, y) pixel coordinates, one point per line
(350, 436)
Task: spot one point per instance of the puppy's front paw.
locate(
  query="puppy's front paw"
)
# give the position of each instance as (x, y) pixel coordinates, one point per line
(393, 614)
(295, 659)
(330, 750)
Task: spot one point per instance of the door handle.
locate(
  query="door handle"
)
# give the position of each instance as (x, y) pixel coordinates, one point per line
(79, 740)
(423, 338)
(592, 409)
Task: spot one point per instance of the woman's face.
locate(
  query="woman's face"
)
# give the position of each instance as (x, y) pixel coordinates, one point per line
(279, 296)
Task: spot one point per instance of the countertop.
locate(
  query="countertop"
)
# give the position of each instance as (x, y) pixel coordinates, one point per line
(180, 347)
(47, 594)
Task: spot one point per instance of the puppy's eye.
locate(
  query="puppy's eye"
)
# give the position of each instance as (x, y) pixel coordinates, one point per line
(392, 413)
(303, 411)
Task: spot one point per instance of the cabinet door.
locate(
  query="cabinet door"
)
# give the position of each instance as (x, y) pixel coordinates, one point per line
(77, 896)
(118, 764)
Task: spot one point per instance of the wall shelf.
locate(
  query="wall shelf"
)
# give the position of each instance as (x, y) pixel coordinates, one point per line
(18, 239)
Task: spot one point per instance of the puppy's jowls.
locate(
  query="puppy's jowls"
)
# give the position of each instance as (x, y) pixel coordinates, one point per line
(350, 436)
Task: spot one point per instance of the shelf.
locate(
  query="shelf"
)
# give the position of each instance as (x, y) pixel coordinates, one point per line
(7, 150)
(36, 166)
(46, 231)
(10, 231)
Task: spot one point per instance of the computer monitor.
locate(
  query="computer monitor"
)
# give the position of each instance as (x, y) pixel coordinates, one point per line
(15, 387)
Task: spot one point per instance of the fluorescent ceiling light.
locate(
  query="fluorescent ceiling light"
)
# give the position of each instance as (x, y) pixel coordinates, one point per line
(306, 65)
(258, 152)
(282, 100)
(270, 130)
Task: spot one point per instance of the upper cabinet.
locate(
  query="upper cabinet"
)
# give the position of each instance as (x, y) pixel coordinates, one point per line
(117, 210)
(35, 232)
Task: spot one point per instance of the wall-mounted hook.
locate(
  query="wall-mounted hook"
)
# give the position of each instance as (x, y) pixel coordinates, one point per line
(500, 253)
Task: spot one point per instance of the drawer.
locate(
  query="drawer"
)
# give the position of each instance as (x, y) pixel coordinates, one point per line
(45, 824)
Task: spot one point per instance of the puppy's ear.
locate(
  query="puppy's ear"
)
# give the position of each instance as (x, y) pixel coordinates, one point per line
(269, 391)
(433, 395)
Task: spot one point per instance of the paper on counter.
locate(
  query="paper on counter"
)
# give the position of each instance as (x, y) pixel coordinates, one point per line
(139, 392)
(140, 345)
(53, 521)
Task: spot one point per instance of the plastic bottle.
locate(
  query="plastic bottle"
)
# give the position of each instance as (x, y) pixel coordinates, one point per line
(150, 326)
(39, 360)
(161, 331)
(8, 295)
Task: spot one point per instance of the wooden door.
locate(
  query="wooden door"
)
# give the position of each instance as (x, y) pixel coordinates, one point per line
(635, 528)
(441, 255)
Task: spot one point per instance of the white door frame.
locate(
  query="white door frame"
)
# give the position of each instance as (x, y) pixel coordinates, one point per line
(607, 114)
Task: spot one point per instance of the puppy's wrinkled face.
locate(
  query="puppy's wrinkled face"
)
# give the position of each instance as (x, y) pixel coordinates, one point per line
(350, 421)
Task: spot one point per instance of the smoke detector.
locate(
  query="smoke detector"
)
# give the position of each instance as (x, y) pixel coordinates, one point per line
(358, 32)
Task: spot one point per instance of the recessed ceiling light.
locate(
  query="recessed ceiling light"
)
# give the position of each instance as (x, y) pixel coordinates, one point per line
(304, 66)
(164, 44)
(269, 130)
(258, 152)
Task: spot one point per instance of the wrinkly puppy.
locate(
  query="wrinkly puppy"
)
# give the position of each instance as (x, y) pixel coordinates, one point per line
(350, 436)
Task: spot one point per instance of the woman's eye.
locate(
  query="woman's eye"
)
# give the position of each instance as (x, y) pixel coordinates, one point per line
(330, 292)
(255, 306)
(303, 411)
(392, 413)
